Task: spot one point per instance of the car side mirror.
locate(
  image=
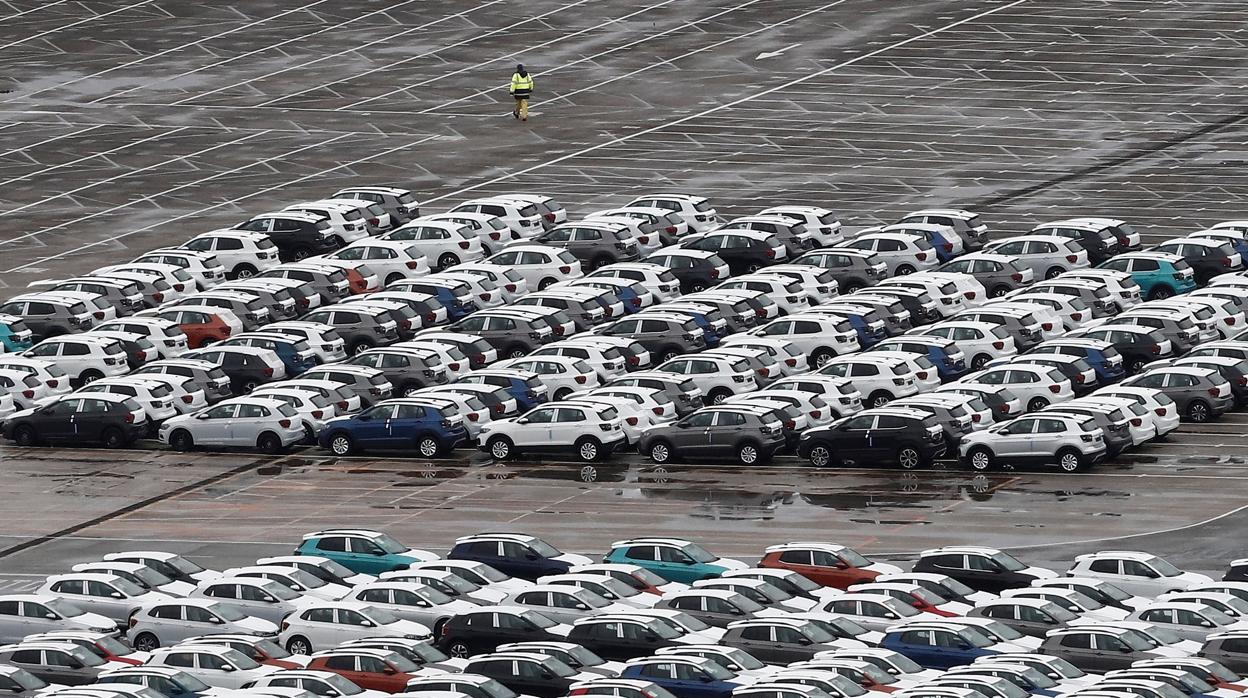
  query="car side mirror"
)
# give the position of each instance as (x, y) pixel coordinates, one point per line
(389, 671)
(368, 624)
(296, 587)
(268, 599)
(582, 607)
(216, 621)
(964, 645)
(737, 612)
(74, 664)
(202, 415)
(1206, 624)
(227, 667)
(705, 679)
(682, 425)
(530, 556)
(522, 420)
(547, 674)
(116, 595)
(330, 693)
(51, 616)
(803, 641)
(890, 615)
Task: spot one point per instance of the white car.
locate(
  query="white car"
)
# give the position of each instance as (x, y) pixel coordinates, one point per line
(137, 573)
(652, 400)
(820, 336)
(785, 291)
(254, 596)
(540, 265)
(444, 243)
(562, 375)
(522, 217)
(791, 358)
(203, 267)
(1046, 255)
(1123, 289)
(108, 595)
(169, 622)
(484, 292)
(328, 624)
(591, 432)
(85, 357)
(973, 292)
(52, 379)
(880, 378)
(695, 210)
(1143, 421)
(154, 394)
(321, 567)
(249, 422)
(492, 231)
(346, 221)
(510, 283)
(169, 564)
(242, 253)
(390, 261)
(823, 224)
(1143, 574)
(717, 377)
(324, 340)
(607, 362)
(216, 665)
(293, 578)
(840, 395)
(1036, 385)
(166, 335)
(948, 297)
(418, 603)
(902, 253)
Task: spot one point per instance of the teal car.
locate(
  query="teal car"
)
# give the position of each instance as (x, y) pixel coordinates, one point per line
(362, 551)
(14, 335)
(1159, 274)
(673, 559)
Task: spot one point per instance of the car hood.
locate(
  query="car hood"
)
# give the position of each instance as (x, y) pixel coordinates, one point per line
(1191, 579)
(253, 625)
(672, 588)
(357, 579)
(955, 607)
(488, 595)
(176, 588)
(559, 629)
(1004, 647)
(151, 597)
(1039, 572)
(407, 628)
(414, 555)
(573, 559)
(729, 563)
(1172, 650)
(511, 585)
(96, 623)
(883, 568)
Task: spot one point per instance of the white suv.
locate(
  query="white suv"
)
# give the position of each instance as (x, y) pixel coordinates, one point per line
(242, 253)
(881, 379)
(346, 222)
(154, 394)
(696, 210)
(216, 665)
(1046, 255)
(522, 217)
(1071, 441)
(389, 261)
(84, 357)
(169, 622)
(718, 377)
(820, 336)
(328, 624)
(1038, 386)
(903, 253)
(589, 430)
(822, 223)
(540, 265)
(562, 375)
(444, 243)
(1142, 574)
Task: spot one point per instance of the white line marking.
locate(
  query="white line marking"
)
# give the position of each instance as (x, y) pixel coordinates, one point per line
(227, 202)
(84, 158)
(728, 105)
(92, 18)
(47, 140)
(33, 9)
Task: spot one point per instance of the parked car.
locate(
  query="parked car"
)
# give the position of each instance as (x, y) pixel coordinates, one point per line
(260, 423)
(169, 622)
(110, 420)
(746, 435)
(898, 436)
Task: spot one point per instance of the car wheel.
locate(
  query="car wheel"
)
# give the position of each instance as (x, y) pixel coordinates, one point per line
(544, 284)
(904, 270)
(1069, 460)
(299, 645)
(90, 376)
(269, 443)
(515, 351)
(146, 642)
(908, 457)
(749, 453)
(446, 261)
(822, 357)
(589, 473)
(820, 455)
(1053, 272)
(562, 394)
(25, 436)
(337, 241)
(501, 448)
(669, 353)
(661, 452)
(599, 262)
(998, 291)
(853, 287)
(1036, 404)
(751, 268)
(459, 650)
(717, 396)
(1198, 411)
(428, 447)
(588, 449)
(980, 361)
(697, 287)
(301, 253)
(249, 386)
(360, 346)
(244, 271)
(309, 434)
(1160, 293)
(879, 398)
(980, 459)
(113, 438)
(181, 440)
(341, 445)
(394, 279)
(409, 390)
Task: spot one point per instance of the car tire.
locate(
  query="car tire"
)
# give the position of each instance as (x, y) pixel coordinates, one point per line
(562, 394)
(249, 386)
(751, 268)
(1069, 460)
(89, 376)
(545, 283)
(980, 361)
(1161, 292)
(697, 287)
(515, 351)
(820, 455)
(980, 459)
(337, 241)
(309, 434)
(181, 440)
(717, 396)
(360, 346)
(269, 443)
(300, 253)
(661, 452)
(1198, 411)
(147, 641)
(1036, 404)
(749, 453)
(55, 332)
(879, 398)
(113, 438)
(394, 279)
(243, 271)
(1053, 272)
(599, 262)
(668, 353)
(299, 645)
(588, 449)
(25, 436)
(998, 291)
(501, 448)
(909, 458)
(409, 389)
(853, 287)
(904, 270)
(446, 261)
(459, 650)
(821, 357)
(341, 444)
(428, 447)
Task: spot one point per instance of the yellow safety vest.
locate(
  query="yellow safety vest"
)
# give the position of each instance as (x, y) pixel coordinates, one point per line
(521, 86)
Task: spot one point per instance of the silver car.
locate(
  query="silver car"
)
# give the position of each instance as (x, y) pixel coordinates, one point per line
(27, 614)
(167, 623)
(1073, 442)
(411, 601)
(563, 603)
(1046, 255)
(264, 424)
(106, 594)
(999, 273)
(254, 596)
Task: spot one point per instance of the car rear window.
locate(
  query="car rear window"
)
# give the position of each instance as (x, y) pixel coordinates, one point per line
(1000, 333)
(378, 379)
(1056, 376)
(1185, 323)
(702, 205)
(1088, 425)
(923, 361)
(407, 198)
(828, 218)
(901, 369)
(287, 410)
(375, 209)
(353, 215)
(528, 210)
(77, 308)
(322, 224)
(608, 413)
(337, 275)
(17, 326)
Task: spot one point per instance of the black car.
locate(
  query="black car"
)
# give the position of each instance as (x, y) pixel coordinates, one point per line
(482, 631)
(296, 235)
(245, 366)
(982, 569)
(883, 436)
(1207, 257)
(516, 555)
(330, 284)
(744, 251)
(747, 435)
(104, 418)
(1137, 344)
(617, 639)
(526, 673)
(695, 270)
(1100, 243)
(1237, 572)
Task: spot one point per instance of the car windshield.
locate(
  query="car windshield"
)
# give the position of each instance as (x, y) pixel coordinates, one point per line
(1008, 562)
(698, 553)
(1136, 641)
(271, 649)
(151, 577)
(380, 616)
(583, 657)
(741, 658)
(538, 619)
(87, 658)
(1164, 568)
(280, 591)
(305, 579)
(227, 612)
(649, 577)
(27, 680)
(340, 684)
(802, 583)
(184, 565)
(1220, 672)
(240, 660)
(1110, 590)
(112, 646)
(669, 628)
(402, 663)
(127, 587)
(816, 634)
(63, 608)
(850, 556)
(975, 637)
(718, 671)
(927, 596)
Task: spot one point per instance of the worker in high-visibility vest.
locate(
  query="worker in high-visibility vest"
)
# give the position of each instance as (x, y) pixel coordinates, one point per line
(521, 90)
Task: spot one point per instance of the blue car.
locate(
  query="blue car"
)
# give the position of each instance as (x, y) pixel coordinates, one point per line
(516, 554)
(527, 388)
(1100, 355)
(939, 648)
(396, 425)
(14, 335)
(361, 550)
(944, 354)
(296, 354)
(695, 677)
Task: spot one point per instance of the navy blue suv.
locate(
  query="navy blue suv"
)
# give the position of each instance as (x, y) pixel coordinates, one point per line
(1100, 355)
(402, 424)
(516, 554)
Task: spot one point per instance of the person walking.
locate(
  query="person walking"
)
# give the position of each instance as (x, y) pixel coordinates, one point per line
(521, 90)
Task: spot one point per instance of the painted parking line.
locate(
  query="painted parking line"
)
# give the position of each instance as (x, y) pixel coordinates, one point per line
(37, 8)
(80, 22)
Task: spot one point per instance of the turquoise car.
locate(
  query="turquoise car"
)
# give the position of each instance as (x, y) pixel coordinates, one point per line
(362, 550)
(673, 559)
(1159, 274)
(14, 335)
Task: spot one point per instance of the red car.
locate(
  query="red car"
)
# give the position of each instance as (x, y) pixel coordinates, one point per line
(637, 577)
(911, 594)
(375, 669)
(828, 564)
(202, 328)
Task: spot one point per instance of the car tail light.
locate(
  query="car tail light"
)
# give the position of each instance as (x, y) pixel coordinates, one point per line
(135, 621)
(495, 235)
(1048, 326)
(921, 256)
(317, 414)
(473, 416)
(970, 295)
(580, 379)
(657, 410)
(99, 315)
(158, 296)
(1215, 392)
(286, 626)
(635, 302)
(130, 415)
(28, 394)
(342, 404)
(671, 229)
(1156, 349)
(1136, 421)
(1016, 277)
(52, 383)
(1161, 411)
(976, 417)
(179, 287)
(1229, 320)
(413, 264)
(790, 362)
(510, 287)
(605, 427)
(285, 423)
(762, 371)
(899, 381)
(1072, 258)
(565, 269)
(948, 247)
(549, 216)
(816, 414)
(771, 253)
(715, 273)
(1086, 438)
(1079, 378)
(187, 399)
(632, 421)
(454, 365)
(790, 424)
(998, 345)
(1055, 388)
(497, 408)
(268, 371)
(1003, 408)
(1076, 316)
(633, 361)
(644, 239)
(1226, 261)
(405, 324)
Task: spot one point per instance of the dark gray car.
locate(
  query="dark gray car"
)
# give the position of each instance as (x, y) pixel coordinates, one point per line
(779, 640)
(361, 327)
(1096, 296)
(1035, 617)
(745, 435)
(596, 244)
(331, 284)
(55, 662)
(1199, 393)
(1230, 648)
(583, 308)
(997, 272)
(408, 370)
(124, 294)
(715, 607)
(401, 204)
(854, 269)
(664, 335)
(1097, 649)
(683, 393)
(512, 336)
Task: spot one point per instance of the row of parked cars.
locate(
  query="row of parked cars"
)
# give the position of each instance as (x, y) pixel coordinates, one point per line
(654, 326)
(354, 612)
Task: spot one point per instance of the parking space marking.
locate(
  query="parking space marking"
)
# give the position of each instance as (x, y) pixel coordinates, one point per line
(80, 22)
(28, 146)
(36, 8)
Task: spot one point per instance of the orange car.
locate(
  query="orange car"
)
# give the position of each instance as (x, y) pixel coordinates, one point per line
(826, 563)
(201, 327)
